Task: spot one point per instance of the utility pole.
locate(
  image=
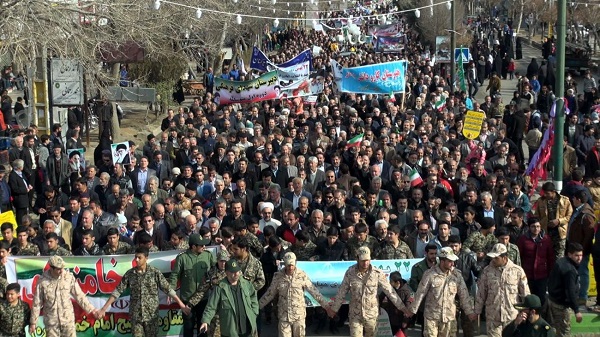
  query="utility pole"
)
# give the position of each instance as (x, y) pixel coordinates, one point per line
(559, 123)
(452, 44)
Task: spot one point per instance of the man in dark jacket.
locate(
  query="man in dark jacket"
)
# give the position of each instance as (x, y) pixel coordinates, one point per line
(563, 286)
(469, 268)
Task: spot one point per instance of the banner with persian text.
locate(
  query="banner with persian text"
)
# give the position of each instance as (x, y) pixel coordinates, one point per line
(263, 88)
(382, 78)
(390, 30)
(260, 61)
(328, 276)
(98, 276)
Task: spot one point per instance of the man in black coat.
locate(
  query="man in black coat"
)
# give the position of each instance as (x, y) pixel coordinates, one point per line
(19, 188)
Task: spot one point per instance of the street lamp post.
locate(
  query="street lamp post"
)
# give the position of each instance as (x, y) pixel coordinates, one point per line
(452, 42)
(558, 149)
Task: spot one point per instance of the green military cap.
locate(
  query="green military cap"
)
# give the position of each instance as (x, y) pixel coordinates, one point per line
(530, 302)
(232, 266)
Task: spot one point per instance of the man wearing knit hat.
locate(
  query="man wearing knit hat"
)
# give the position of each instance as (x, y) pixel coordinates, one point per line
(363, 280)
(289, 285)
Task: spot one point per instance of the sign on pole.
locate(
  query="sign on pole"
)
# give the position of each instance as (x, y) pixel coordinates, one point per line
(466, 55)
(472, 125)
(66, 78)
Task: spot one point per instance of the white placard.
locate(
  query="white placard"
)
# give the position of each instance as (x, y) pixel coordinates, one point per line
(67, 82)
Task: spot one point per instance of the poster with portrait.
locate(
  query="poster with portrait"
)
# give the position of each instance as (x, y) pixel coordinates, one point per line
(76, 160)
(120, 153)
(442, 49)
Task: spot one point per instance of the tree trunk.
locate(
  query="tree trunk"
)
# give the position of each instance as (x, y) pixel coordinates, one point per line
(221, 57)
(520, 16)
(115, 71)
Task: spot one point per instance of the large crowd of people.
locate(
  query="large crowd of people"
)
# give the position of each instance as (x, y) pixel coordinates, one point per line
(276, 182)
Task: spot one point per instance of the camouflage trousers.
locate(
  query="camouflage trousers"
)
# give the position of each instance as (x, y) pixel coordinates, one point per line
(214, 328)
(558, 244)
(145, 329)
(66, 330)
(292, 329)
(435, 328)
(466, 324)
(360, 327)
(559, 317)
(494, 328)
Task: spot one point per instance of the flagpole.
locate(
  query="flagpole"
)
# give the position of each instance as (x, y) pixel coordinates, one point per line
(402, 102)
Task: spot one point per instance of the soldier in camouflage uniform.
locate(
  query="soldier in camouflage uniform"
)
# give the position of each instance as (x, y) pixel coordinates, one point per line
(502, 285)
(363, 280)
(143, 281)
(114, 245)
(503, 236)
(360, 239)
(216, 274)
(53, 294)
(481, 242)
(289, 286)
(145, 240)
(178, 242)
(252, 270)
(440, 287)
(304, 249)
(241, 231)
(4, 253)
(393, 248)
(54, 248)
(190, 271)
(24, 247)
(14, 313)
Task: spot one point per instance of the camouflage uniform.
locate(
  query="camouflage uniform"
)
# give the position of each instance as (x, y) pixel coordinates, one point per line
(513, 253)
(53, 295)
(478, 243)
(93, 251)
(122, 248)
(253, 272)
(60, 251)
(3, 285)
(2, 270)
(143, 305)
(306, 252)
(439, 289)
(29, 250)
(363, 299)
(499, 289)
(291, 305)
(353, 245)
(13, 319)
(215, 275)
(389, 252)
(183, 245)
(254, 246)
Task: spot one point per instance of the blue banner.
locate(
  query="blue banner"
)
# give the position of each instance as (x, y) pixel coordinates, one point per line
(328, 276)
(260, 61)
(383, 78)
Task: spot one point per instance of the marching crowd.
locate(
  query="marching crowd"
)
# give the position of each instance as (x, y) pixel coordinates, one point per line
(273, 183)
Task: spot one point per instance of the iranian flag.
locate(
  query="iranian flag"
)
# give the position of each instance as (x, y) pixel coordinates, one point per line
(355, 141)
(415, 178)
(440, 103)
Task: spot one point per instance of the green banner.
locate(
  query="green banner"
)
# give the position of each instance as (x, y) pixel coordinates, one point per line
(98, 276)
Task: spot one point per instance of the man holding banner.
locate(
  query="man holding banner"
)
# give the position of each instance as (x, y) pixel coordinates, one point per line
(143, 281)
(289, 285)
(53, 294)
(363, 280)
